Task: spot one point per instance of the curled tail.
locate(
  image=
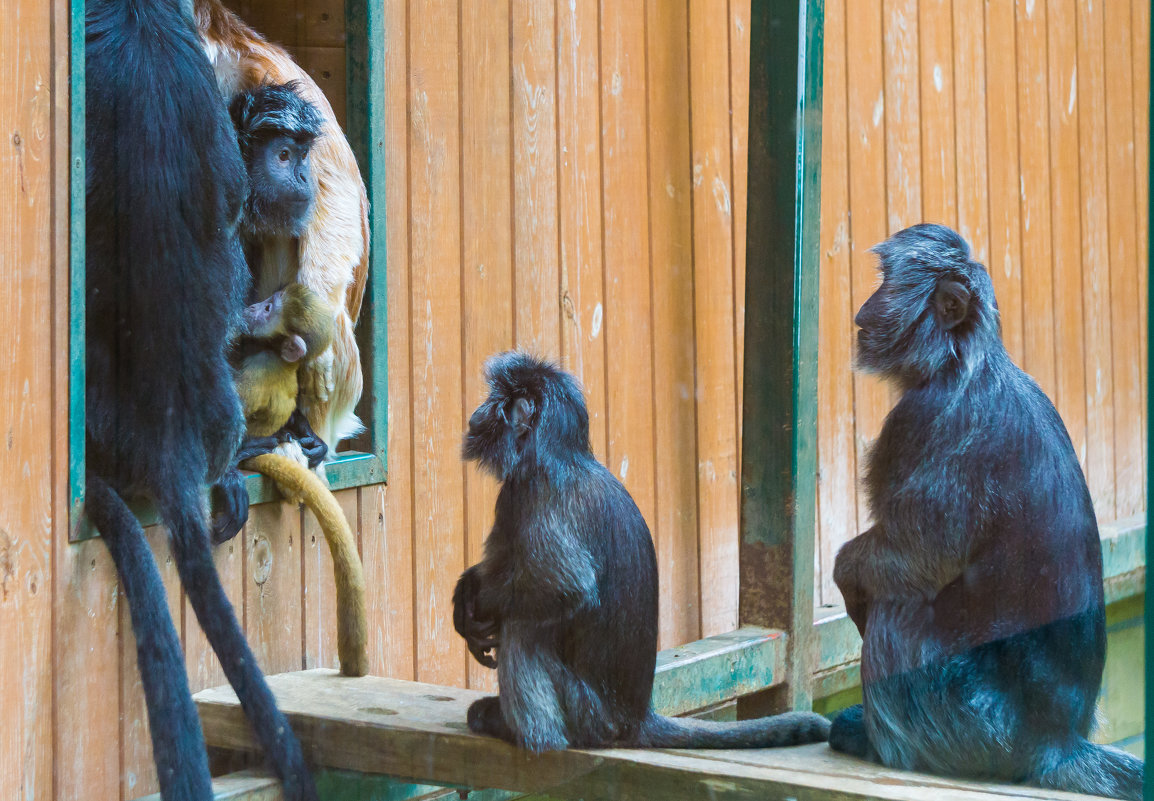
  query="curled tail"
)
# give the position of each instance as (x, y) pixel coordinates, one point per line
(790, 728)
(177, 740)
(296, 481)
(1094, 770)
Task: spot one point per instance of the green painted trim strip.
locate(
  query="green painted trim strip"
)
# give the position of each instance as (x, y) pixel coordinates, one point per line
(718, 669)
(351, 469)
(365, 49)
(76, 288)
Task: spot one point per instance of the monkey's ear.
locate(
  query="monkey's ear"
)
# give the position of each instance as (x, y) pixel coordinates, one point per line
(951, 302)
(293, 348)
(521, 415)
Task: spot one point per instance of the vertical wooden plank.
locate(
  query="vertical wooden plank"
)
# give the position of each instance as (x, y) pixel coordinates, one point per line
(137, 770)
(387, 522)
(867, 181)
(936, 71)
(1004, 189)
(1140, 27)
(272, 586)
(713, 314)
(328, 67)
(778, 491)
(1091, 89)
(435, 344)
(1038, 356)
(30, 414)
(1066, 212)
(582, 270)
(323, 23)
(837, 462)
(671, 246)
(1129, 425)
(628, 320)
(85, 726)
(903, 114)
(200, 660)
(970, 94)
(538, 282)
(318, 592)
(739, 11)
(487, 225)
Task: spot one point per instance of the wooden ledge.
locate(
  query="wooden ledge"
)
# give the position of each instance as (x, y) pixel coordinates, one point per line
(417, 731)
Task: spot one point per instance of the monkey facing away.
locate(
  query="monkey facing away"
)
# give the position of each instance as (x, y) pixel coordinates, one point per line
(330, 254)
(279, 336)
(566, 593)
(978, 592)
(165, 283)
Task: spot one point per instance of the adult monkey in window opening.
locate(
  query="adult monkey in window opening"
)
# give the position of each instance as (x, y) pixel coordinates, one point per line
(567, 591)
(331, 254)
(165, 282)
(978, 592)
(279, 336)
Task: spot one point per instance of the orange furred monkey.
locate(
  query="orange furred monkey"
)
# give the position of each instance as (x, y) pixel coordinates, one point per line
(331, 256)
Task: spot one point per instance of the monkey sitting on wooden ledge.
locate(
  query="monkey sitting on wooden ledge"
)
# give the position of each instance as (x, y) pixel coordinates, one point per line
(279, 336)
(566, 594)
(978, 592)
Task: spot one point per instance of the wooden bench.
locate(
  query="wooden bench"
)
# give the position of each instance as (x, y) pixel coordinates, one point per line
(414, 731)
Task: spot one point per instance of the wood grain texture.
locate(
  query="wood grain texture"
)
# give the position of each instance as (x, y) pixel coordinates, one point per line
(435, 336)
(1091, 89)
(739, 12)
(938, 123)
(272, 586)
(1038, 354)
(487, 271)
(671, 211)
(970, 135)
(1140, 29)
(712, 182)
(903, 114)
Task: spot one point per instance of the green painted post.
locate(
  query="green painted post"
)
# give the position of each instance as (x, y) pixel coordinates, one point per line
(365, 48)
(779, 416)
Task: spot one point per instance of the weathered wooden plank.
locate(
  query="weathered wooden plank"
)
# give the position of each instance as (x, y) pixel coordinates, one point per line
(487, 272)
(1001, 102)
(903, 158)
(671, 243)
(628, 319)
(137, 770)
(435, 335)
(327, 66)
(1038, 353)
(938, 125)
(579, 206)
(718, 669)
(272, 586)
(837, 456)
(970, 133)
(1140, 28)
(418, 731)
(537, 313)
(1066, 210)
(739, 12)
(1129, 409)
(715, 391)
(241, 786)
(322, 23)
(1091, 88)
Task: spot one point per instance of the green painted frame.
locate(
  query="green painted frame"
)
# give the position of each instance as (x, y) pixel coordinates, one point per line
(365, 43)
(779, 413)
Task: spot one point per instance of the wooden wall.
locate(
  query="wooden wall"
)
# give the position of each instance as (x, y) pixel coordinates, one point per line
(1025, 126)
(570, 178)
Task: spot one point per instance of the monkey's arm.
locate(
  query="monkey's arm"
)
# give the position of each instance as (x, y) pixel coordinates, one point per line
(480, 628)
(312, 445)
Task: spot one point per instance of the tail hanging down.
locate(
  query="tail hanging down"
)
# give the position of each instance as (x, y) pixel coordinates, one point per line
(296, 481)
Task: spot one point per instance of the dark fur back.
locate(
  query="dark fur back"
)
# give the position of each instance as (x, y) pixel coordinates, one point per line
(165, 275)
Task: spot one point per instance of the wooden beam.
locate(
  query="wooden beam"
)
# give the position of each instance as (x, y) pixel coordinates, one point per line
(718, 669)
(242, 786)
(779, 414)
(417, 731)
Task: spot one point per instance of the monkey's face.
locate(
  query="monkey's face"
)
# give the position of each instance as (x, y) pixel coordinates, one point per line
(281, 185)
(261, 319)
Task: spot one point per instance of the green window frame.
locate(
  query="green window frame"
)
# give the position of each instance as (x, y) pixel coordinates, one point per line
(365, 58)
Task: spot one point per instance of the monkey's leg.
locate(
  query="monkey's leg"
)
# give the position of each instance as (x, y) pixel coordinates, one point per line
(530, 702)
(230, 497)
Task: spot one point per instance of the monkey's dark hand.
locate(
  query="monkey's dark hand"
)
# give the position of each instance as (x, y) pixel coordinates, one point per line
(313, 447)
(255, 446)
(230, 505)
(481, 634)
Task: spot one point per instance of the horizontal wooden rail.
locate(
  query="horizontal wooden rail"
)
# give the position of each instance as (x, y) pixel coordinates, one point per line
(243, 786)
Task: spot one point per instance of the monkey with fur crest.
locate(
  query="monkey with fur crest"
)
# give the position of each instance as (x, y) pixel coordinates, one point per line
(566, 594)
(165, 284)
(978, 592)
(330, 253)
(280, 334)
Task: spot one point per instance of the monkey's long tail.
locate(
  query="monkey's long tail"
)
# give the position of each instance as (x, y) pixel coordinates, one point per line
(1095, 770)
(790, 728)
(177, 740)
(296, 481)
